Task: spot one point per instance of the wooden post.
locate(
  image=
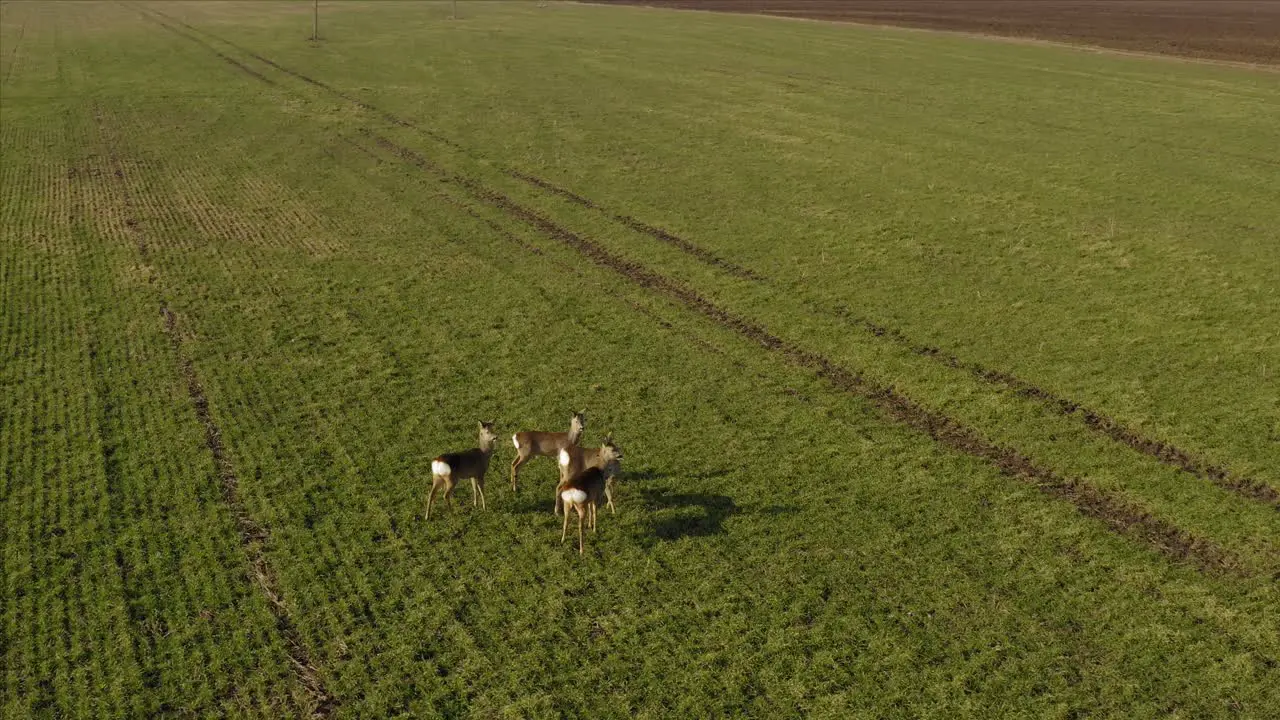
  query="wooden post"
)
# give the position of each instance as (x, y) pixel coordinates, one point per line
(315, 22)
(454, 16)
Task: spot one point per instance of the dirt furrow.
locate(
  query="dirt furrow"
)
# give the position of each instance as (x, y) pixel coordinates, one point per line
(1091, 501)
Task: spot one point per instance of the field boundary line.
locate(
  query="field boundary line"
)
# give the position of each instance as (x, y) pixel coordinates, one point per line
(1122, 517)
(253, 536)
(1096, 421)
(1011, 39)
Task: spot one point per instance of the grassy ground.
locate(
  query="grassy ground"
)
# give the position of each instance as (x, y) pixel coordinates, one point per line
(948, 388)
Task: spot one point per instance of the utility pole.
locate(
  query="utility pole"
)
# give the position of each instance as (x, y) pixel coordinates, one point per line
(315, 22)
(454, 16)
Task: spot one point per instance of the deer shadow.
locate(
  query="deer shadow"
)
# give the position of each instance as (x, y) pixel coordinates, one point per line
(642, 475)
(680, 515)
(648, 473)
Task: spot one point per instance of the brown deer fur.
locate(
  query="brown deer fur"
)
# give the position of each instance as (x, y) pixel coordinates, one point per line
(582, 493)
(575, 459)
(537, 443)
(449, 468)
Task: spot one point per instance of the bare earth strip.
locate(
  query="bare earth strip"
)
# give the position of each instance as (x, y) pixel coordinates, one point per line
(1246, 31)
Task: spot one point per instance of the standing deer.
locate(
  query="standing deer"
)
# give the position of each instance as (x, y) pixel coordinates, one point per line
(449, 468)
(536, 443)
(582, 493)
(574, 460)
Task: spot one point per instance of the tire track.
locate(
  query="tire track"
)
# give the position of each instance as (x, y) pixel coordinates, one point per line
(697, 251)
(253, 537)
(226, 58)
(142, 644)
(90, 198)
(693, 250)
(1164, 452)
(568, 268)
(13, 54)
(1122, 517)
(1096, 421)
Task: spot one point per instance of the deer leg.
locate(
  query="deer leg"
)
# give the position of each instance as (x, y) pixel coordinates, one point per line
(579, 508)
(435, 485)
(448, 492)
(477, 484)
(520, 459)
(564, 530)
(608, 496)
(560, 502)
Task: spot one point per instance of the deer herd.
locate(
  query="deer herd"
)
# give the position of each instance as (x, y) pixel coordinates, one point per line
(587, 475)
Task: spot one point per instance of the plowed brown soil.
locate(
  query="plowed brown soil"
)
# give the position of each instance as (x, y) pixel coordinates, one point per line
(1237, 30)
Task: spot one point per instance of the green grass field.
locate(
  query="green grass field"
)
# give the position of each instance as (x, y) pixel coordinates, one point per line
(946, 369)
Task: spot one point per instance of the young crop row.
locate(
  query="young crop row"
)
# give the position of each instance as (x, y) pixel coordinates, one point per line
(405, 501)
(126, 590)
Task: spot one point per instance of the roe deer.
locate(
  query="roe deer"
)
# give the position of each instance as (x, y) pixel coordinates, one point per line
(574, 460)
(582, 493)
(536, 443)
(449, 468)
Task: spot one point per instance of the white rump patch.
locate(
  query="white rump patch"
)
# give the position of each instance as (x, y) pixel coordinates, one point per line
(515, 440)
(574, 496)
(564, 458)
(441, 468)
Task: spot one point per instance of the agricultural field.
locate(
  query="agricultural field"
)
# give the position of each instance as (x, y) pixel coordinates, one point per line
(946, 370)
(1235, 30)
